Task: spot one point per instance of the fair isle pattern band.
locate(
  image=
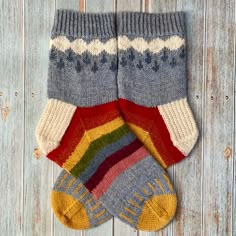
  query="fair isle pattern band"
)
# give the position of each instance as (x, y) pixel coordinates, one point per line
(83, 56)
(79, 46)
(155, 45)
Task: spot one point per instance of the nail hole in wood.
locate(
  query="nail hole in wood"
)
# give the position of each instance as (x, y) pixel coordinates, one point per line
(32, 95)
(227, 97)
(16, 94)
(197, 97)
(212, 97)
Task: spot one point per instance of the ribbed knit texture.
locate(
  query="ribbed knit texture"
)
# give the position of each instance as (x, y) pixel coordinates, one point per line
(83, 25)
(97, 147)
(150, 25)
(152, 83)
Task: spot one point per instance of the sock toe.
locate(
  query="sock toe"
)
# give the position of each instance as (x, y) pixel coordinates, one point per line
(69, 211)
(157, 212)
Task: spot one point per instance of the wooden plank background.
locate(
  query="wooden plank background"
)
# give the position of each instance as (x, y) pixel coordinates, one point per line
(205, 181)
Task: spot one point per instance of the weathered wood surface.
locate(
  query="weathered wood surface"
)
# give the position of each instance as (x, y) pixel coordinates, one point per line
(205, 181)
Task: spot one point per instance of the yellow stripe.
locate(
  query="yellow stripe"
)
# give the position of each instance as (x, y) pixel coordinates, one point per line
(99, 214)
(88, 137)
(70, 183)
(145, 192)
(126, 218)
(94, 207)
(137, 196)
(151, 187)
(62, 180)
(83, 194)
(102, 221)
(145, 138)
(160, 185)
(133, 203)
(77, 188)
(168, 182)
(130, 211)
(89, 200)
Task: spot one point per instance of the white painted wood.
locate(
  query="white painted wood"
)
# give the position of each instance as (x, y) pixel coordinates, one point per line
(217, 118)
(37, 172)
(11, 117)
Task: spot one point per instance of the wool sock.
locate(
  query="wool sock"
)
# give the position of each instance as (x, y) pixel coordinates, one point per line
(97, 146)
(74, 205)
(152, 83)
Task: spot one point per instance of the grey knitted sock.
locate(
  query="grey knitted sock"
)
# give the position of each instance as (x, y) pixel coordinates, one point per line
(91, 140)
(152, 83)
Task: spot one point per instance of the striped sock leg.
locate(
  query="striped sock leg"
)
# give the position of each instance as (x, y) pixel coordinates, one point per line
(97, 146)
(152, 83)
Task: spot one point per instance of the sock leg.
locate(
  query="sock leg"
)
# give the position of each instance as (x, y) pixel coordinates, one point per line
(152, 83)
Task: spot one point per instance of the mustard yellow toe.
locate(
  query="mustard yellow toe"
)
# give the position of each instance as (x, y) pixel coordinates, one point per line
(157, 212)
(69, 211)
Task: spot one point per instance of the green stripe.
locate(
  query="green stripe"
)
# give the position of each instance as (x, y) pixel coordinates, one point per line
(96, 146)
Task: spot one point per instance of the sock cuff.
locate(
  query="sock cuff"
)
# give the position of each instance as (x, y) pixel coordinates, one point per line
(150, 25)
(83, 25)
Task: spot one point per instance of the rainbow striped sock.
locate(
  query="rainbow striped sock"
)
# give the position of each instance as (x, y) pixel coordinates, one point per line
(90, 139)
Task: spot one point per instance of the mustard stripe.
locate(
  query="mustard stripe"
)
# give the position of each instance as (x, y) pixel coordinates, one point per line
(100, 213)
(151, 187)
(168, 182)
(138, 196)
(145, 138)
(77, 188)
(83, 194)
(126, 218)
(130, 211)
(62, 180)
(133, 204)
(160, 185)
(89, 200)
(88, 137)
(70, 183)
(145, 192)
(95, 206)
(102, 221)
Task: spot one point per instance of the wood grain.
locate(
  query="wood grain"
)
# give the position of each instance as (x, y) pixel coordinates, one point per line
(218, 112)
(11, 117)
(188, 172)
(37, 172)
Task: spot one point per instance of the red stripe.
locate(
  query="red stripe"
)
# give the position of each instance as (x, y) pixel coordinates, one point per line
(150, 119)
(117, 170)
(83, 119)
(110, 161)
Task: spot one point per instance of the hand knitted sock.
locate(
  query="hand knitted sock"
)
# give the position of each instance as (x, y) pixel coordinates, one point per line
(74, 206)
(97, 146)
(152, 83)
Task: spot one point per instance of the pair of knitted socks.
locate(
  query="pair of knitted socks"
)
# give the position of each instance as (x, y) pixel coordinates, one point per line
(117, 115)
